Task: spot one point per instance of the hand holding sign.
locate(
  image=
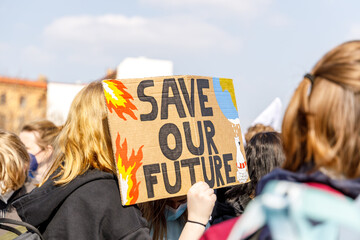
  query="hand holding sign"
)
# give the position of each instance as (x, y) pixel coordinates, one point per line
(200, 202)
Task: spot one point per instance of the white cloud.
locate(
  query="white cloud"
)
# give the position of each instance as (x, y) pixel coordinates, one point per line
(241, 8)
(91, 29)
(179, 33)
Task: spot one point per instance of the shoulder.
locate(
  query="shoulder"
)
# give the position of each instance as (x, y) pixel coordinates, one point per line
(94, 184)
(100, 195)
(278, 174)
(95, 207)
(102, 198)
(98, 189)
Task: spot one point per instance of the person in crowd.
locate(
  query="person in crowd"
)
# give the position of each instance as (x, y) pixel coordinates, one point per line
(257, 128)
(320, 128)
(264, 153)
(320, 131)
(168, 217)
(38, 137)
(226, 207)
(14, 164)
(79, 197)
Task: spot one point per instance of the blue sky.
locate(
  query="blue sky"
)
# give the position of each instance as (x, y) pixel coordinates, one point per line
(265, 46)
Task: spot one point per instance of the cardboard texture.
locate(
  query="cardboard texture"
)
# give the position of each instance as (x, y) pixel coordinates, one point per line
(171, 132)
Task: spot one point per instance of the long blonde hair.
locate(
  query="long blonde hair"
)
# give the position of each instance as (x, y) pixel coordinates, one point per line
(14, 162)
(321, 124)
(84, 141)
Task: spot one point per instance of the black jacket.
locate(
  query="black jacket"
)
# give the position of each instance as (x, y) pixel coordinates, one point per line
(6, 209)
(88, 207)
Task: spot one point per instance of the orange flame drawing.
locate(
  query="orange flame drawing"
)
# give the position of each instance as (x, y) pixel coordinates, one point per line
(118, 99)
(127, 168)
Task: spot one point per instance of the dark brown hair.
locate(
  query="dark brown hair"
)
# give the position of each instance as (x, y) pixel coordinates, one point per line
(263, 153)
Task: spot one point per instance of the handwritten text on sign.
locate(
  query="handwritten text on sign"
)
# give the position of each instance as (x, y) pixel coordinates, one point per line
(183, 129)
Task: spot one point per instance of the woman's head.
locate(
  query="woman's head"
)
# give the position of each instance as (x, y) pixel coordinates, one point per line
(256, 129)
(320, 125)
(84, 141)
(38, 137)
(263, 153)
(14, 162)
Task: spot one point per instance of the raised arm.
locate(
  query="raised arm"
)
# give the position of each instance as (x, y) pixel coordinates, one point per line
(200, 203)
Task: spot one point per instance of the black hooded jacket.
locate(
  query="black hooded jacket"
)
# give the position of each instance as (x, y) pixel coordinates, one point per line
(88, 207)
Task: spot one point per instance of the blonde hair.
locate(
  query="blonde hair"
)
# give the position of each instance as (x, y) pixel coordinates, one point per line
(257, 128)
(47, 130)
(84, 141)
(321, 124)
(14, 162)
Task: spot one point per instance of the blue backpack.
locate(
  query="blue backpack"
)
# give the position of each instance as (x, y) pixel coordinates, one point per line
(295, 211)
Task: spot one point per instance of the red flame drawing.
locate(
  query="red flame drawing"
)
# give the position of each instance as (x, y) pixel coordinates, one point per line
(118, 99)
(127, 168)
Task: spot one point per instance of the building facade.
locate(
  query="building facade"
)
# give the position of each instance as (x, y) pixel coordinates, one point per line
(21, 101)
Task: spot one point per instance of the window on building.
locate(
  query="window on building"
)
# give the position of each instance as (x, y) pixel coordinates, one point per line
(2, 121)
(22, 101)
(40, 102)
(3, 99)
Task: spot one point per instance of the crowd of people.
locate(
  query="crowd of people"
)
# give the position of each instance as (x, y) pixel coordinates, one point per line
(62, 180)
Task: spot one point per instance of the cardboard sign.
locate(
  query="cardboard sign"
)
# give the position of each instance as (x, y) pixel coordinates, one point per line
(171, 132)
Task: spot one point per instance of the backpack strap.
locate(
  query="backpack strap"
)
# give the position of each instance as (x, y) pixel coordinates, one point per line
(29, 227)
(10, 229)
